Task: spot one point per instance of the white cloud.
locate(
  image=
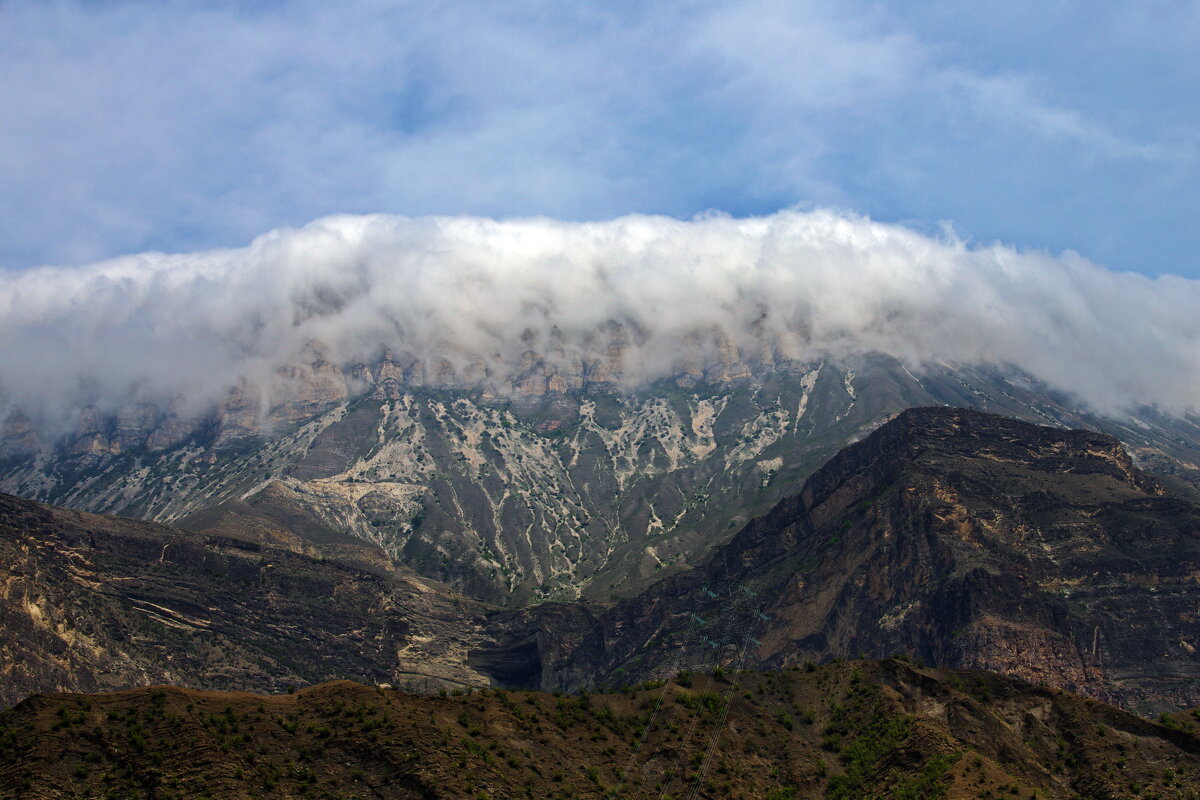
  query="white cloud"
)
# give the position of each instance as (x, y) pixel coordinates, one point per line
(1010, 99)
(805, 284)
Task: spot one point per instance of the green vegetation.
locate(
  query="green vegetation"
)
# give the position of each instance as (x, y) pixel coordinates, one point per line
(867, 736)
(847, 731)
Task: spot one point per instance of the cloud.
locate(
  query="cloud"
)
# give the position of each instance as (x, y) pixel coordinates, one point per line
(803, 285)
(1009, 98)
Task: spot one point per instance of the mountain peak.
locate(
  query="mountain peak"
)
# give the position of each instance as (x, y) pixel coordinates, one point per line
(932, 438)
(971, 540)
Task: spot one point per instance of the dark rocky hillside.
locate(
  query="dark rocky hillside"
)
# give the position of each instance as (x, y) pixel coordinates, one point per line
(92, 602)
(845, 731)
(966, 539)
(963, 539)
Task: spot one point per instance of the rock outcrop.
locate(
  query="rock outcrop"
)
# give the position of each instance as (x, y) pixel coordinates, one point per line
(18, 439)
(89, 603)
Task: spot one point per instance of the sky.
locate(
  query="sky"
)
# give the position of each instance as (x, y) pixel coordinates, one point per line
(182, 126)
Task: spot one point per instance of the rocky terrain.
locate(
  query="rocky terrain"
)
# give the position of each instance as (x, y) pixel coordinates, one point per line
(966, 540)
(92, 602)
(558, 484)
(847, 730)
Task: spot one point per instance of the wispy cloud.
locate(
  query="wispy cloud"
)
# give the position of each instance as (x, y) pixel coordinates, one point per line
(1010, 99)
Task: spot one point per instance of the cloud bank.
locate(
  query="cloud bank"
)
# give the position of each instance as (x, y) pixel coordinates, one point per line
(800, 285)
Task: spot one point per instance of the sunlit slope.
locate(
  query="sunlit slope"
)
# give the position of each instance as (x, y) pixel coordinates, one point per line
(850, 731)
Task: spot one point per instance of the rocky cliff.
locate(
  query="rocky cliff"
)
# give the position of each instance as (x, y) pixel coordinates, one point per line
(968, 540)
(564, 484)
(92, 602)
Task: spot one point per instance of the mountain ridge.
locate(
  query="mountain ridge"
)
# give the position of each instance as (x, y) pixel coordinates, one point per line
(966, 539)
(562, 495)
(970, 540)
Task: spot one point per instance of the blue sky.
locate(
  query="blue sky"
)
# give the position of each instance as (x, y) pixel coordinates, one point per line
(128, 126)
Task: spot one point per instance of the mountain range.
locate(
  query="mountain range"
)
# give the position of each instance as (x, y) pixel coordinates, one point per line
(961, 539)
(555, 486)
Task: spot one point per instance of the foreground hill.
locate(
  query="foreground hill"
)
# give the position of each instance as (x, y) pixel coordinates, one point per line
(846, 730)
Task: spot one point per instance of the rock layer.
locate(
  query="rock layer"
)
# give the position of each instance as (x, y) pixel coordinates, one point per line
(966, 539)
(92, 603)
(576, 487)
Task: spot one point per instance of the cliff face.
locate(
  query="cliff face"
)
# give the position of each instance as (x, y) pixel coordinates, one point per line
(92, 603)
(968, 540)
(563, 485)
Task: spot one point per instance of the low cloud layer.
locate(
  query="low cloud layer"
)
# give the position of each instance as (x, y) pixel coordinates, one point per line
(803, 284)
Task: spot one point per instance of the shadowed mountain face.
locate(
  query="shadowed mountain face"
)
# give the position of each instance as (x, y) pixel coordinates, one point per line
(969, 540)
(965, 539)
(847, 731)
(554, 490)
(92, 602)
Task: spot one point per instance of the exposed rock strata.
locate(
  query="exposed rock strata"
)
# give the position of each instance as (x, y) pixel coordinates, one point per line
(92, 603)
(968, 540)
(567, 487)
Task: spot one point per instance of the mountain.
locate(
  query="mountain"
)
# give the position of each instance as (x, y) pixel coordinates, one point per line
(561, 483)
(967, 540)
(843, 731)
(94, 602)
